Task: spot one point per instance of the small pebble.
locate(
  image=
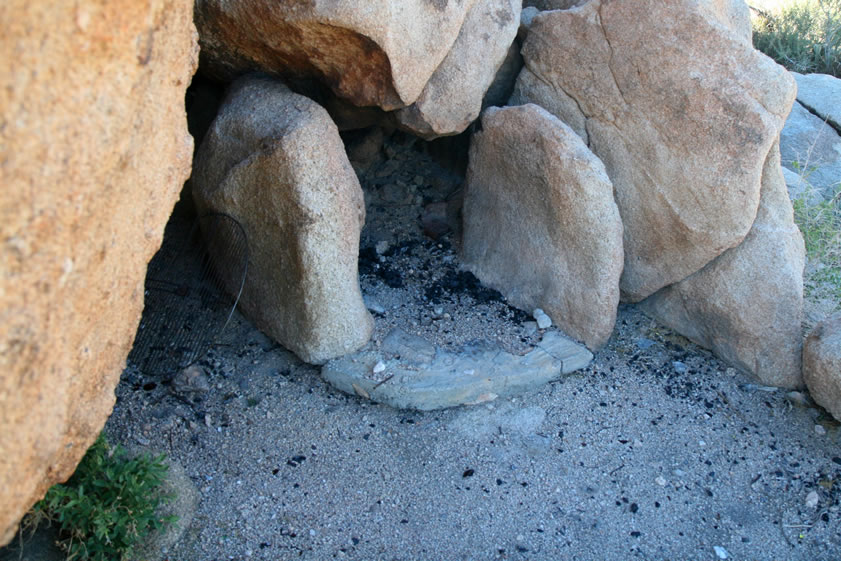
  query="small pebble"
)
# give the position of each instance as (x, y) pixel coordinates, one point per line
(819, 430)
(644, 343)
(660, 481)
(543, 321)
(812, 499)
(797, 398)
(679, 367)
(720, 552)
(382, 246)
(379, 367)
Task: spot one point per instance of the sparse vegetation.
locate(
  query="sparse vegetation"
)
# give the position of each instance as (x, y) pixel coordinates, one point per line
(802, 35)
(821, 228)
(108, 505)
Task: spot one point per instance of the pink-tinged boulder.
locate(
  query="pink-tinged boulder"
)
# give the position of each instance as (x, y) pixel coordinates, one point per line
(94, 151)
(540, 222)
(747, 305)
(379, 52)
(274, 161)
(681, 110)
(822, 364)
(452, 99)
(734, 14)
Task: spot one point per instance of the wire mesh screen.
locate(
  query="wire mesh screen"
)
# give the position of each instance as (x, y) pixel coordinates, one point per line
(192, 288)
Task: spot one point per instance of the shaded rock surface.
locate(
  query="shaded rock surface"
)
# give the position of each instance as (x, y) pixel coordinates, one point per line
(822, 364)
(682, 115)
(381, 55)
(503, 83)
(478, 373)
(540, 222)
(86, 89)
(452, 99)
(821, 94)
(747, 305)
(544, 5)
(274, 161)
(812, 149)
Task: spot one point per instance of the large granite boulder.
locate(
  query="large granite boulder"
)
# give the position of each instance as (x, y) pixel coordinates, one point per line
(94, 150)
(812, 149)
(681, 110)
(747, 305)
(274, 161)
(822, 364)
(452, 99)
(382, 53)
(540, 222)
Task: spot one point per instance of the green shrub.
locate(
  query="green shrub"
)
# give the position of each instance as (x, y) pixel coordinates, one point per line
(803, 35)
(108, 505)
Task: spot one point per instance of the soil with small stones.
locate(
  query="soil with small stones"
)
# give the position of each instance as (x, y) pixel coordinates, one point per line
(657, 450)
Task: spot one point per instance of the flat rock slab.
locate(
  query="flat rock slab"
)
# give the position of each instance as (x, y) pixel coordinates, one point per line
(479, 373)
(820, 94)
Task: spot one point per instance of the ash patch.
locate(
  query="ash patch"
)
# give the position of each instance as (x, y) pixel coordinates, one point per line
(413, 282)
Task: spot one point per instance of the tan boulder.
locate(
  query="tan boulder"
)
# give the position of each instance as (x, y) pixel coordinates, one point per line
(381, 54)
(452, 99)
(822, 364)
(540, 222)
(747, 305)
(734, 14)
(681, 110)
(94, 151)
(274, 161)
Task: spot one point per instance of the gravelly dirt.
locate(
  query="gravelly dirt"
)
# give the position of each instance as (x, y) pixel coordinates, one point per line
(630, 458)
(655, 451)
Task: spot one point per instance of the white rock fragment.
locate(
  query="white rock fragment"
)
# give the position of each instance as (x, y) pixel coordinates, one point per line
(720, 552)
(812, 499)
(382, 246)
(543, 321)
(819, 430)
(379, 367)
(660, 481)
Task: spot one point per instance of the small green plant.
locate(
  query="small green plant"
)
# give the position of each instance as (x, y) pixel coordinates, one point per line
(821, 228)
(802, 35)
(108, 505)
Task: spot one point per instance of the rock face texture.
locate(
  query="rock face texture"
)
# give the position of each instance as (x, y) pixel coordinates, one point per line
(734, 14)
(812, 149)
(821, 94)
(747, 305)
(94, 150)
(274, 161)
(452, 99)
(822, 364)
(540, 222)
(382, 53)
(683, 145)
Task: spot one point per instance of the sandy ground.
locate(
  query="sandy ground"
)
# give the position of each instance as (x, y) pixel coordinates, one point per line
(656, 451)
